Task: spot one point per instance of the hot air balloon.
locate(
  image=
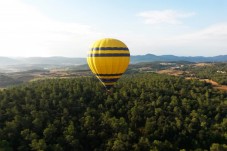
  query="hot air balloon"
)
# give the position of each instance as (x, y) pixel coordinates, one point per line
(108, 59)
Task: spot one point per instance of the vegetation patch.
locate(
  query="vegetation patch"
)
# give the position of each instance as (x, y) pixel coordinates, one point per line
(145, 112)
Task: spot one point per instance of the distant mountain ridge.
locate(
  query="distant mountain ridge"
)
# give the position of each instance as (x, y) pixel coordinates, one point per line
(134, 59)
(42, 60)
(151, 58)
(7, 61)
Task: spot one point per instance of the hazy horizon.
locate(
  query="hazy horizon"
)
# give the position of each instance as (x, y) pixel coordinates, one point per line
(67, 28)
(85, 56)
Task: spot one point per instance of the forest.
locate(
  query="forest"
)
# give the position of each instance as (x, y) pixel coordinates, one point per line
(146, 111)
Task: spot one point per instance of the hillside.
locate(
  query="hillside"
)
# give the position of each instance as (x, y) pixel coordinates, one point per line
(145, 112)
(7, 81)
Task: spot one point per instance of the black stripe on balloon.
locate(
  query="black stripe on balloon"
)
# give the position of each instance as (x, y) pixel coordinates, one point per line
(116, 74)
(109, 55)
(109, 80)
(110, 48)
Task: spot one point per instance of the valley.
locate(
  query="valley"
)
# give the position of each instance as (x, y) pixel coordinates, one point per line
(187, 70)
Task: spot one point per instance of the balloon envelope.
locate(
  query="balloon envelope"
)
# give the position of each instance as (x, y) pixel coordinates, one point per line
(108, 59)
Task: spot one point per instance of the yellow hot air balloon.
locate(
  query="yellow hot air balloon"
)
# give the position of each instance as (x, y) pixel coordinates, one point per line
(108, 59)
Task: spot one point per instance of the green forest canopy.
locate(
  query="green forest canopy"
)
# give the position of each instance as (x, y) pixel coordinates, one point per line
(145, 112)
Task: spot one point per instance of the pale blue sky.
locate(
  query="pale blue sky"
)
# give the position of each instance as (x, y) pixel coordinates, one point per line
(68, 28)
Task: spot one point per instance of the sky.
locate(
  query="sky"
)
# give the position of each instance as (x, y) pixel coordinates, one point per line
(44, 28)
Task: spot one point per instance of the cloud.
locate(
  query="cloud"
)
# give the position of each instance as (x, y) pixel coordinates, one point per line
(209, 41)
(215, 32)
(25, 31)
(164, 16)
